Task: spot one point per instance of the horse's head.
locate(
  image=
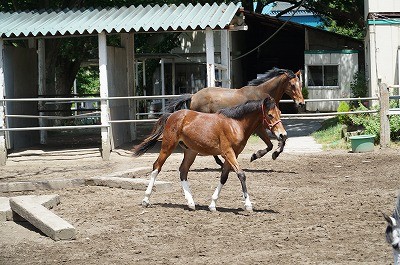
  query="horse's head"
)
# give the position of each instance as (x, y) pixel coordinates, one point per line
(294, 88)
(272, 118)
(393, 227)
(393, 232)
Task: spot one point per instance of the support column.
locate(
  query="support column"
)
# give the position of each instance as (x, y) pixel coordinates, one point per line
(3, 149)
(42, 87)
(384, 115)
(162, 62)
(128, 42)
(105, 115)
(210, 57)
(226, 59)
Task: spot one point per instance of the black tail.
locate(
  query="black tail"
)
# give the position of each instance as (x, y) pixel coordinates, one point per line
(152, 139)
(178, 103)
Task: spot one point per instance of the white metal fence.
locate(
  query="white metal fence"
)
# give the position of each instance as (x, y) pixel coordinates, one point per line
(383, 102)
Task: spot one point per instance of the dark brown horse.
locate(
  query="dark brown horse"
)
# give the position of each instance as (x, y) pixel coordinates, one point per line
(223, 133)
(276, 82)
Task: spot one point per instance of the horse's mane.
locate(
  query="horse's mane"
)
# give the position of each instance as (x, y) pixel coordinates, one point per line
(274, 72)
(239, 111)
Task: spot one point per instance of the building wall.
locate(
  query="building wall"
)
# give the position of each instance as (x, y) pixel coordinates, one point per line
(372, 6)
(382, 44)
(347, 62)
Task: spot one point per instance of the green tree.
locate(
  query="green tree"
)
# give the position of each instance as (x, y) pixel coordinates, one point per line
(340, 16)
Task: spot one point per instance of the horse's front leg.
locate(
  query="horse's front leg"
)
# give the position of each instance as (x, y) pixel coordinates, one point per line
(260, 131)
(224, 177)
(188, 159)
(279, 150)
(231, 158)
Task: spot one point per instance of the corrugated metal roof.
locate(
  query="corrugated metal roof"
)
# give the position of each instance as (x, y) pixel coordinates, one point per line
(124, 19)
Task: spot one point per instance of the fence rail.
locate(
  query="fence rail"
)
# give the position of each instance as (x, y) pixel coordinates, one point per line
(383, 101)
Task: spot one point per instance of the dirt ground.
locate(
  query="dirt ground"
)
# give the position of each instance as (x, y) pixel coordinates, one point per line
(322, 208)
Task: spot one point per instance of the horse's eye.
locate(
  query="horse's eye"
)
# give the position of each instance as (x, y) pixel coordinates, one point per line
(270, 116)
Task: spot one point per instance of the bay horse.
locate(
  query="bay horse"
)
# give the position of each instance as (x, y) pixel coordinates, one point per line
(223, 133)
(276, 82)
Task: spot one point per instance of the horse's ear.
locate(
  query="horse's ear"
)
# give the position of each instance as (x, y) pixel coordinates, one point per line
(391, 221)
(269, 102)
(299, 75)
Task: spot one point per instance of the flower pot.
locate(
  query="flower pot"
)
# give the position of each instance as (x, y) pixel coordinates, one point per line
(362, 143)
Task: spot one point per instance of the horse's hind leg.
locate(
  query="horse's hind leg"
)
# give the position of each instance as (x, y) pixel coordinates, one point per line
(166, 150)
(218, 161)
(264, 136)
(224, 177)
(188, 159)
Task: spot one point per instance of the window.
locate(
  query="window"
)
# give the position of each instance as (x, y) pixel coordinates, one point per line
(323, 75)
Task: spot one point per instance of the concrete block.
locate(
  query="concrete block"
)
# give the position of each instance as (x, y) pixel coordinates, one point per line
(5, 209)
(17, 186)
(131, 173)
(39, 216)
(48, 201)
(57, 184)
(126, 183)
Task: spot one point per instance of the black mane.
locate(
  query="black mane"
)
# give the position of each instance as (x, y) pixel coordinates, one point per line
(238, 111)
(274, 72)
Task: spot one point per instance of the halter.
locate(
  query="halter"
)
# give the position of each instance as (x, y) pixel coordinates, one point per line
(265, 119)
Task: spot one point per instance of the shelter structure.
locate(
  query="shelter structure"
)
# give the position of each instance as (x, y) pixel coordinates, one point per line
(382, 41)
(22, 75)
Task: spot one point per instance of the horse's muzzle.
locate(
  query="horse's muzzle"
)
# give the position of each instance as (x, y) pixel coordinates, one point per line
(282, 137)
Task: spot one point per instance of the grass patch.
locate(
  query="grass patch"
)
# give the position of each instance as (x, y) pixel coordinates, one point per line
(329, 135)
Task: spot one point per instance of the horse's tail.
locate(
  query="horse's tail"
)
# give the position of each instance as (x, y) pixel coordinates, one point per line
(178, 103)
(152, 139)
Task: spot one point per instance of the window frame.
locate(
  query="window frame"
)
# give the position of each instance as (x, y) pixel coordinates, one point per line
(323, 77)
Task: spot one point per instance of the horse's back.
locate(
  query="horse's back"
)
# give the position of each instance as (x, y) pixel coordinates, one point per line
(212, 99)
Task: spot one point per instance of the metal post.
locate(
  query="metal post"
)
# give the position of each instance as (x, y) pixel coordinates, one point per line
(210, 57)
(162, 62)
(384, 115)
(225, 59)
(105, 117)
(42, 87)
(3, 149)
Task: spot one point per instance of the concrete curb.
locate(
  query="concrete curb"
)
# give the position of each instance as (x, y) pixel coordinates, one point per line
(123, 179)
(39, 216)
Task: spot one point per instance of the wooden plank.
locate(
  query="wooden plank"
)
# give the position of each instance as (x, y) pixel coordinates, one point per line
(384, 115)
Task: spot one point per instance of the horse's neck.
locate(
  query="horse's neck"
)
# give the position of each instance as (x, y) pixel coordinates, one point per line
(250, 122)
(273, 87)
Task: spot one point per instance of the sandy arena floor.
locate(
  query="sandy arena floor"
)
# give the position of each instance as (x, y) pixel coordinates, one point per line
(322, 208)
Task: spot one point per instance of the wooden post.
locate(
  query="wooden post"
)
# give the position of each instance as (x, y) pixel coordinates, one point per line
(3, 149)
(384, 113)
(105, 115)
(42, 87)
(210, 57)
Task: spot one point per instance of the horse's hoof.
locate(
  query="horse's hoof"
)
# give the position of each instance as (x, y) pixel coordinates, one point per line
(275, 155)
(212, 208)
(248, 208)
(145, 202)
(192, 207)
(253, 157)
